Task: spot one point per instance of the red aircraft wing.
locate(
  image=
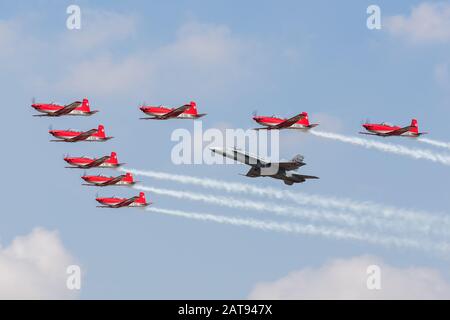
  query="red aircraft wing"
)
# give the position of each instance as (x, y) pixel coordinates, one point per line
(67, 109)
(285, 124)
(61, 112)
(124, 203)
(94, 163)
(398, 131)
(171, 114)
(81, 137)
(111, 181)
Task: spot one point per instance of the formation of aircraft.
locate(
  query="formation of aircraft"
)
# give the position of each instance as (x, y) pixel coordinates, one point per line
(115, 203)
(385, 129)
(77, 108)
(104, 181)
(187, 111)
(98, 135)
(82, 108)
(299, 122)
(284, 170)
(264, 168)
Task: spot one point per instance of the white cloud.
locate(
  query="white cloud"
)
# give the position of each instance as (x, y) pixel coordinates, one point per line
(203, 45)
(346, 279)
(427, 23)
(202, 59)
(34, 267)
(105, 75)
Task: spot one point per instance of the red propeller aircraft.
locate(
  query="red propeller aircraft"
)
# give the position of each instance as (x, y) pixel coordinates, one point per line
(113, 202)
(187, 111)
(386, 130)
(87, 163)
(102, 181)
(77, 108)
(75, 136)
(299, 122)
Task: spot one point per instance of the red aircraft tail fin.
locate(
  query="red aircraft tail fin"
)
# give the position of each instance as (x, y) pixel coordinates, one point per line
(305, 119)
(85, 105)
(142, 197)
(414, 126)
(113, 158)
(101, 131)
(129, 177)
(192, 108)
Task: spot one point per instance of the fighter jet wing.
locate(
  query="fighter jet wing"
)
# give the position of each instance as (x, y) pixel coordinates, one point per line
(304, 177)
(253, 172)
(294, 164)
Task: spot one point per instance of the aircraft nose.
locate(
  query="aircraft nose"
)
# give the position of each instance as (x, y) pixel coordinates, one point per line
(216, 149)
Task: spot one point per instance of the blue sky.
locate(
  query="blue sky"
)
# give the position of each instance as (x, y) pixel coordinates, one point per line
(274, 57)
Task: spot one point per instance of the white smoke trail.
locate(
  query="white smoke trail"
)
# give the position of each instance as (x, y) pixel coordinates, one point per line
(299, 212)
(308, 229)
(435, 143)
(424, 221)
(386, 147)
(258, 206)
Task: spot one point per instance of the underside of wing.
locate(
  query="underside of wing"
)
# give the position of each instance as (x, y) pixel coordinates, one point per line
(67, 109)
(289, 122)
(369, 133)
(304, 177)
(125, 203)
(253, 172)
(175, 112)
(82, 136)
(96, 162)
(112, 181)
(398, 131)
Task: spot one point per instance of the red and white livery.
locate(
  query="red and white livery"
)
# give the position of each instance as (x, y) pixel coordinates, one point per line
(77, 108)
(103, 181)
(87, 163)
(98, 135)
(385, 129)
(187, 111)
(113, 202)
(299, 122)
